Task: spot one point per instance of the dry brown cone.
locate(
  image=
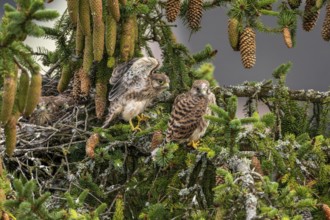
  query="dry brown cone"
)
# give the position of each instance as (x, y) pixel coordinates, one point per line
(326, 24)
(233, 33)
(294, 3)
(157, 139)
(85, 83)
(8, 98)
(310, 15)
(172, 10)
(92, 142)
(247, 47)
(10, 134)
(84, 17)
(114, 9)
(100, 98)
(34, 94)
(257, 166)
(195, 13)
(326, 211)
(287, 37)
(126, 38)
(76, 90)
(80, 40)
(73, 7)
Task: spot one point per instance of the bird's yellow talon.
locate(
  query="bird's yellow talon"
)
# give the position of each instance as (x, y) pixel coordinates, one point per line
(142, 117)
(194, 144)
(134, 128)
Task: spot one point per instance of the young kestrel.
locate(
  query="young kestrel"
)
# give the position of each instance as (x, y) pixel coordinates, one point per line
(135, 86)
(187, 122)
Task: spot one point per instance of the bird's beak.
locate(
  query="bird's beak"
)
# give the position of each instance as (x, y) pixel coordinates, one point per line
(204, 92)
(166, 85)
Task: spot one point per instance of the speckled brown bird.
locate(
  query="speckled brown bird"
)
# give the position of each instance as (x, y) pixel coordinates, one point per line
(135, 86)
(187, 123)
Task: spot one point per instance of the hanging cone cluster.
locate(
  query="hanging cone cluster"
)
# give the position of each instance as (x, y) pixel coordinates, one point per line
(310, 15)
(172, 10)
(294, 4)
(326, 24)
(247, 47)
(194, 14)
(92, 142)
(233, 33)
(287, 37)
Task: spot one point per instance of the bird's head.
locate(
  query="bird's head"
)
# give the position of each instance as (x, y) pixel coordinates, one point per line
(160, 81)
(201, 88)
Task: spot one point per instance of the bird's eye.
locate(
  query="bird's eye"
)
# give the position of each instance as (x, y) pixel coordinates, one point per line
(161, 82)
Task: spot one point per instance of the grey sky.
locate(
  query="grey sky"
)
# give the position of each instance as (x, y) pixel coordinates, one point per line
(310, 57)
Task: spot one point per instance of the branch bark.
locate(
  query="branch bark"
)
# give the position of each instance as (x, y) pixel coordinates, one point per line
(266, 90)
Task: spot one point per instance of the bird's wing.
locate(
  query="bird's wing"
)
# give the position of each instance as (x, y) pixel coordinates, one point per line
(127, 78)
(120, 70)
(186, 114)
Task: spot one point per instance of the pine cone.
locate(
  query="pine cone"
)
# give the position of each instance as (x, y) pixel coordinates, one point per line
(326, 211)
(76, 90)
(66, 75)
(287, 37)
(10, 134)
(34, 94)
(310, 15)
(84, 17)
(326, 24)
(110, 35)
(172, 9)
(23, 88)
(114, 9)
(233, 33)
(92, 142)
(127, 38)
(85, 83)
(294, 3)
(257, 166)
(8, 98)
(98, 29)
(88, 53)
(73, 10)
(247, 47)
(80, 40)
(157, 139)
(194, 14)
(100, 98)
